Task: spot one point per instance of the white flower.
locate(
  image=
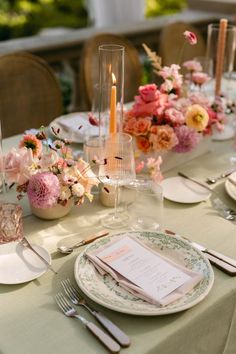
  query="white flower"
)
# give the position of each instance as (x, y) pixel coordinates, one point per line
(78, 190)
(65, 193)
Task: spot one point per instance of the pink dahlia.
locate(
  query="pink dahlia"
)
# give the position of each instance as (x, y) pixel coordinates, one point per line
(43, 190)
(188, 138)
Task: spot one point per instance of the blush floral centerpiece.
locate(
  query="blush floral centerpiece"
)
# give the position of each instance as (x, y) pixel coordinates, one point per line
(171, 117)
(49, 175)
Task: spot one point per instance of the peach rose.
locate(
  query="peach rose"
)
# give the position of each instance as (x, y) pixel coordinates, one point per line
(129, 125)
(164, 139)
(142, 126)
(196, 117)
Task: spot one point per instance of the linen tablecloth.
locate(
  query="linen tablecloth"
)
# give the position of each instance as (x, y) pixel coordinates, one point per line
(30, 321)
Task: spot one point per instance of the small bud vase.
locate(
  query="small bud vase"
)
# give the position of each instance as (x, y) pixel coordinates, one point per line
(55, 212)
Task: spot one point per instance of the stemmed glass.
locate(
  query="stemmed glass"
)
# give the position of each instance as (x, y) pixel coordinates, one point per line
(118, 169)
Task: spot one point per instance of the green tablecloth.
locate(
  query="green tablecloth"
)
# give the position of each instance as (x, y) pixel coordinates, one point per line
(30, 321)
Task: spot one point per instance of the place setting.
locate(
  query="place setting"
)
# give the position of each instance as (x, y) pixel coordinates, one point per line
(125, 245)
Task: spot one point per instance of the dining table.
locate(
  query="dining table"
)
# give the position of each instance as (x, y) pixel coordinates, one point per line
(31, 322)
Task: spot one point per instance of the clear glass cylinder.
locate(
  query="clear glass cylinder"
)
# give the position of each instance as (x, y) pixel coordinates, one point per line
(230, 44)
(111, 85)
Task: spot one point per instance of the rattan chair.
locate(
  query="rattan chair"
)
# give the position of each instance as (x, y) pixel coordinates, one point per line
(89, 72)
(172, 40)
(30, 94)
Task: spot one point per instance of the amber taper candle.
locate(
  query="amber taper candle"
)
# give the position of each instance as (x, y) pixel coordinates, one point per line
(220, 55)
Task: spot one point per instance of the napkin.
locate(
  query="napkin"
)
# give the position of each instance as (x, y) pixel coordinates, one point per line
(193, 278)
(77, 125)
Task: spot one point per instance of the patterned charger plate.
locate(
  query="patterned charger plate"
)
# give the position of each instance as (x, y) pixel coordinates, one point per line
(105, 290)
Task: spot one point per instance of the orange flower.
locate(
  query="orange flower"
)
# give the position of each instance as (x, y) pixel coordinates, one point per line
(196, 117)
(31, 142)
(143, 143)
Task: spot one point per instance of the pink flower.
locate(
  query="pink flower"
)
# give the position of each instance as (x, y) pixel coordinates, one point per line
(139, 166)
(148, 92)
(174, 116)
(164, 138)
(142, 109)
(173, 79)
(154, 168)
(190, 37)
(48, 160)
(188, 139)
(43, 190)
(31, 142)
(142, 126)
(192, 65)
(19, 165)
(200, 78)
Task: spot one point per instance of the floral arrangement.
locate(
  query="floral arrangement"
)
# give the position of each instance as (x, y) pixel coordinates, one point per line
(172, 116)
(48, 173)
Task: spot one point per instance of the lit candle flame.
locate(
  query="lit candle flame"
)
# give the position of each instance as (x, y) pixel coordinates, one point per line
(113, 79)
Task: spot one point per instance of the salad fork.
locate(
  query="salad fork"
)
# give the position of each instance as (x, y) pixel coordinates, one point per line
(70, 311)
(77, 299)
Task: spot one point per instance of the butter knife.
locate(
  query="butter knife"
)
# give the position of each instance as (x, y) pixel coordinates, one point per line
(26, 243)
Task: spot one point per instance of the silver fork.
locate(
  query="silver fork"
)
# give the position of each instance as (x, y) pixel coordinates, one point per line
(77, 299)
(70, 311)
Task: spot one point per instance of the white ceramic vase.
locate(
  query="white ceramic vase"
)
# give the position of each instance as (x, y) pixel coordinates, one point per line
(55, 212)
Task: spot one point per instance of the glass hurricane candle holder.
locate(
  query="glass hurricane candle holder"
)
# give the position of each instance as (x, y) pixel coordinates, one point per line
(221, 44)
(111, 85)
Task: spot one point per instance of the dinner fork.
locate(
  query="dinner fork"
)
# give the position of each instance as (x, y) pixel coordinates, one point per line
(77, 299)
(70, 311)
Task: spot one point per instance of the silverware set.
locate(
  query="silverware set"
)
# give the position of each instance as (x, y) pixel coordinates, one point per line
(212, 180)
(114, 343)
(222, 209)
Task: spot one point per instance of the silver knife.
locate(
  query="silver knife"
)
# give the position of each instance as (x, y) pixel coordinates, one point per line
(216, 254)
(217, 262)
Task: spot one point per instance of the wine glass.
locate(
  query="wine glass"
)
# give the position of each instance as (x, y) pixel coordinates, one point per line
(117, 169)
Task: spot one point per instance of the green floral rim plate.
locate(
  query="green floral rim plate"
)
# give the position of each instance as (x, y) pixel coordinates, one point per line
(105, 290)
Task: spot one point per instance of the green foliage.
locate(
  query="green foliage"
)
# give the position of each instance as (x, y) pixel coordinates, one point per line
(20, 18)
(164, 7)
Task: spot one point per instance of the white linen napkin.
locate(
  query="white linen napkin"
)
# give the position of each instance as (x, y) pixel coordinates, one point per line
(193, 277)
(76, 125)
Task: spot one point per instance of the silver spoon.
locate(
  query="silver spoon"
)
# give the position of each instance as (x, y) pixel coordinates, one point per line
(69, 250)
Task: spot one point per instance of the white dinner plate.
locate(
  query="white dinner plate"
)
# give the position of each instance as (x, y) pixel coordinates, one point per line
(106, 291)
(182, 190)
(230, 187)
(72, 127)
(226, 134)
(18, 264)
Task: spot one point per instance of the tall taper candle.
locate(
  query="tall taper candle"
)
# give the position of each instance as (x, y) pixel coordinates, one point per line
(113, 123)
(220, 55)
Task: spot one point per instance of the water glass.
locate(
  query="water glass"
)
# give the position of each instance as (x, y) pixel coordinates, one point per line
(145, 205)
(11, 224)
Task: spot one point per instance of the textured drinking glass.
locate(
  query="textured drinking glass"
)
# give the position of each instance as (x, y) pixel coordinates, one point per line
(93, 152)
(117, 170)
(111, 85)
(11, 224)
(146, 205)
